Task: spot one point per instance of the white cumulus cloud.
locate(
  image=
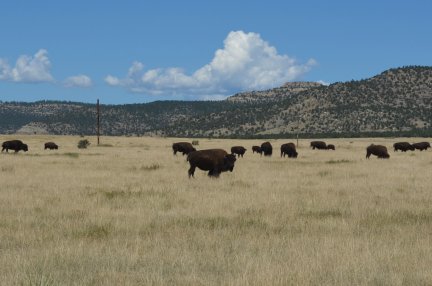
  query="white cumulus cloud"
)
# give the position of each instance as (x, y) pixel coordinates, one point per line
(323, 82)
(78, 81)
(246, 62)
(30, 69)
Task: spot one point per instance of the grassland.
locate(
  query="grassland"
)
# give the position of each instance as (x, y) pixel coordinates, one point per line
(126, 213)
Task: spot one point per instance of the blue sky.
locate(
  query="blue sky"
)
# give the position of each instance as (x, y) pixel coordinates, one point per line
(141, 51)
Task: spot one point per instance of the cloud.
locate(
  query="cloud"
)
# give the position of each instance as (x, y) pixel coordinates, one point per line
(78, 81)
(28, 69)
(246, 62)
(323, 82)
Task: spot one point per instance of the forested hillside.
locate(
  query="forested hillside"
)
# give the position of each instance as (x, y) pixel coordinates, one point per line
(393, 102)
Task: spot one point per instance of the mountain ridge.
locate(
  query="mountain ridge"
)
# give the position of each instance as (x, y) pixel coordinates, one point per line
(395, 101)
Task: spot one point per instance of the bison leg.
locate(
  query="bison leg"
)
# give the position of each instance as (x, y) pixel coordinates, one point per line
(368, 155)
(191, 171)
(214, 173)
(211, 172)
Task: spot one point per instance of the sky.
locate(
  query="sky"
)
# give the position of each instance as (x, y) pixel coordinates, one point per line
(141, 51)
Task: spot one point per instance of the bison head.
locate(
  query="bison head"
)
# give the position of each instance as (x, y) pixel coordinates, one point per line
(24, 147)
(229, 161)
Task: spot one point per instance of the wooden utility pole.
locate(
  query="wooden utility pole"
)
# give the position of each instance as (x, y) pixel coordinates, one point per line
(298, 129)
(98, 120)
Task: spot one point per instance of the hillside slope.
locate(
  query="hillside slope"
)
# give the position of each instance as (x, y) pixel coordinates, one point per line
(396, 100)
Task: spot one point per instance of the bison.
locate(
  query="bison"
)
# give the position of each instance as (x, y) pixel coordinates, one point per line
(331, 147)
(239, 150)
(320, 145)
(51, 146)
(184, 147)
(15, 145)
(377, 150)
(289, 149)
(403, 146)
(256, 149)
(422, 145)
(267, 148)
(215, 161)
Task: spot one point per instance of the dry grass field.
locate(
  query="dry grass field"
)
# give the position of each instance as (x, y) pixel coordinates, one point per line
(125, 213)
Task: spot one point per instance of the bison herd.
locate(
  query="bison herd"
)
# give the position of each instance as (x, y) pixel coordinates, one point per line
(216, 161)
(18, 145)
(381, 151)
(405, 146)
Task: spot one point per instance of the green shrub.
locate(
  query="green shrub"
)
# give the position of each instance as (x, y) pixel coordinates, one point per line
(83, 144)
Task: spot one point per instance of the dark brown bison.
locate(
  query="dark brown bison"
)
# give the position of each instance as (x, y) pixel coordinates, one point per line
(377, 150)
(256, 149)
(184, 147)
(320, 145)
(51, 146)
(215, 161)
(289, 149)
(239, 150)
(331, 147)
(403, 146)
(422, 145)
(267, 148)
(15, 145)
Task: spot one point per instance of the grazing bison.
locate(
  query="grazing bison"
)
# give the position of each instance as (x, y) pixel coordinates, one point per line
(215, 161)
(267, 148)
(320, 145)
(256, 149)
(421, 145)
(331, 147)
(377, 150)
(184, 147)
(51, 146)
(239, 150)
(403, 146)
(15, 145)
(289, 149)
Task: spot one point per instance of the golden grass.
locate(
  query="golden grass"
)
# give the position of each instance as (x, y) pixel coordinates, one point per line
(129, 215)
